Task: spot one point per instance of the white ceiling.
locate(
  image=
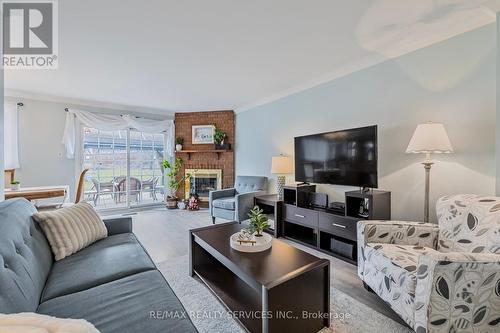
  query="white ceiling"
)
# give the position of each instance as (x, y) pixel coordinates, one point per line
(229, 54)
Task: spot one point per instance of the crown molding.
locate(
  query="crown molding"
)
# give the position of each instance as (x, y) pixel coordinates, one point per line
(75, 102)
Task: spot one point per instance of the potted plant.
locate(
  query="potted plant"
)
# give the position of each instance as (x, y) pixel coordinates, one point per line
(258, 221)
(174, 182)
(178, 143)
(15, 185)
(220, 138)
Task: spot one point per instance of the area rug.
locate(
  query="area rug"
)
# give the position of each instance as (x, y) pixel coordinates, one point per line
(210, 316)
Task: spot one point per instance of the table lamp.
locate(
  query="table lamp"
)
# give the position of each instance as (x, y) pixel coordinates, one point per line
(429, 138)
(281, 165)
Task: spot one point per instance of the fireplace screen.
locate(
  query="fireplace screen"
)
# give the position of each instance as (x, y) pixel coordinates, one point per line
(202, 181)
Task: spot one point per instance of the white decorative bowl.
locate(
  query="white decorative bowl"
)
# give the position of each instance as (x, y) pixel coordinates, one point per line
(262, 243)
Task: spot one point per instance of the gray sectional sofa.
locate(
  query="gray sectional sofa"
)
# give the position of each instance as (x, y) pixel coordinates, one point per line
(113, 283)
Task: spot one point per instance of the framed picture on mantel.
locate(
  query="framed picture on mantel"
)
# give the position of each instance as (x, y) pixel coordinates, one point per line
(202, 134)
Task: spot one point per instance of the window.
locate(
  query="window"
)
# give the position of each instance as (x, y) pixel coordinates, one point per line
(125, 168)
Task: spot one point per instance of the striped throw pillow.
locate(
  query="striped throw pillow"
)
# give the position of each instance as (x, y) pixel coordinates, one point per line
(71, 229)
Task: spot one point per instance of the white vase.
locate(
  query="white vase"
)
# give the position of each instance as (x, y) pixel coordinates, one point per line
(15, 187)
(178, 147)
(181, 204)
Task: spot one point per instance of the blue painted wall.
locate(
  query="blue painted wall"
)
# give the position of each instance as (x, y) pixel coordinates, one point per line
(452, 82)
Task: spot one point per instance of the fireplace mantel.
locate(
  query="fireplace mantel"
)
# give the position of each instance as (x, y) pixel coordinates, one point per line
(213, 151)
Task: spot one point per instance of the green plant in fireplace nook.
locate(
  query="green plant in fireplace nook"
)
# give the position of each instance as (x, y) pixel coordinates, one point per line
(258, 221)
(174, 181)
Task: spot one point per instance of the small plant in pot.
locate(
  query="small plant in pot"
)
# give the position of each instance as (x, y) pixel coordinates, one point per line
(178, 143)
(220, 138)
(174, 182)
(15, 185)
(258, 221)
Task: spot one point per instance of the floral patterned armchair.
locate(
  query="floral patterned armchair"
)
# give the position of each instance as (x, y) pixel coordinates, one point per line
(442, 278)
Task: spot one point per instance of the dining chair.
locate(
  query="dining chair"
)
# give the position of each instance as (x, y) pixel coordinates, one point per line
(102, 188)
(151, 184)
(135, 188)
(78, 196)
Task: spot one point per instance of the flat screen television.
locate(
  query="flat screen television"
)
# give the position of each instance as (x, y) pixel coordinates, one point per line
(347, 157)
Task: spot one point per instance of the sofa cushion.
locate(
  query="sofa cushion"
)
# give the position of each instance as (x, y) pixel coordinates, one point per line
(71, 229)
(224, 203)
(107, 260)
(128, 305)
(223, 213)
(469, 223)
(25, 257)
(397, 262)
(244, 184)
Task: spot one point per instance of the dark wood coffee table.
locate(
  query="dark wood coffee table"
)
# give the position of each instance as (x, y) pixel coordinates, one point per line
(283, 289)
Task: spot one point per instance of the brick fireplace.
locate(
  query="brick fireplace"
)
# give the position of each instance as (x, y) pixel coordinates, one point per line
(203, 156)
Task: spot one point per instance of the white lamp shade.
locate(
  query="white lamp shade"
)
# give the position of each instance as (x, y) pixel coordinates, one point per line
(281, 165)
(430, 138)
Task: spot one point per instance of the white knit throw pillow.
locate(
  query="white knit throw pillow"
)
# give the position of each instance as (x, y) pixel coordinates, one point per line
(28, 322)
(71, 229)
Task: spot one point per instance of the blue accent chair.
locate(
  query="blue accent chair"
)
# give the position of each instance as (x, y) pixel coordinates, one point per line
(235, 203)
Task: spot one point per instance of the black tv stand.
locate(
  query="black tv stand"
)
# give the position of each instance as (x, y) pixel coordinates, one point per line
(331, 231)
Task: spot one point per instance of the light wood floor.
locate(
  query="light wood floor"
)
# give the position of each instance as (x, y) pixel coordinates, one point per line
(165, 234)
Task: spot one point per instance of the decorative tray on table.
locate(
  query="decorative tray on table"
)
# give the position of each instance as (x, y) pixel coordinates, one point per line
(245, 242)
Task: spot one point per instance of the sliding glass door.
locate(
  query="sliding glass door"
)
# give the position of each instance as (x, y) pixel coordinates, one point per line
(125, 168)
(146, 172)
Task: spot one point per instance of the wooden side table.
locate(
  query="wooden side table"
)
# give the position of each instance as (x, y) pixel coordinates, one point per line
(38, 192)
(273, 207)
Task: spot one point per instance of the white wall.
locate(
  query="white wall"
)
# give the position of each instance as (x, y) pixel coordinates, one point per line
(452, 82)
(497, 56)
(41, 153)
(2, 174)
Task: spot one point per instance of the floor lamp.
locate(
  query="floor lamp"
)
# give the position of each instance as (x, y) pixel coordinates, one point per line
(429, 138)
